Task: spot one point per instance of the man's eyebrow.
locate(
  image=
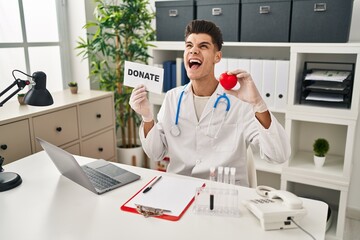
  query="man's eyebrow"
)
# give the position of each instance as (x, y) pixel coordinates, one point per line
(202, 43)
(205, 43)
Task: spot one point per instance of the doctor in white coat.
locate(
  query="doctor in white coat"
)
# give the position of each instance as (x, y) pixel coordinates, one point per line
(202, 125)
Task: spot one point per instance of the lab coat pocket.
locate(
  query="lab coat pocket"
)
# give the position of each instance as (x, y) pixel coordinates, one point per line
(227, 138)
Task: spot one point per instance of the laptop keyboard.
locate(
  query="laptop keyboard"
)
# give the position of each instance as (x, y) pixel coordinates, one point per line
(98, 179)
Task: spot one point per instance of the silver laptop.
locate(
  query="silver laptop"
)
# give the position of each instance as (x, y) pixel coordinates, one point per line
(99, 176)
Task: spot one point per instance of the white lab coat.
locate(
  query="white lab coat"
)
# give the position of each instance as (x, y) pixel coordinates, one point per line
(192, 153)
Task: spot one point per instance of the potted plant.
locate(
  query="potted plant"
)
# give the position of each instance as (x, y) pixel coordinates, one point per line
(73, 87)
(120, 32)
(320, 148)
(20, 98)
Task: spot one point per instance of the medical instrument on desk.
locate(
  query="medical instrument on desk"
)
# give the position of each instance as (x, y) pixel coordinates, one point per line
(226, 174)
(216, 201)
(232, 175)
(151, 185)
(220, 174)
(211, 201)
(212, 176)
(175, 130)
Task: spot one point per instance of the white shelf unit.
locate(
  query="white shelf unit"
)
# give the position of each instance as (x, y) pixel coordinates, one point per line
(303, 123)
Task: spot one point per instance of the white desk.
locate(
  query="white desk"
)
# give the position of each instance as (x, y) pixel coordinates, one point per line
(49, 206)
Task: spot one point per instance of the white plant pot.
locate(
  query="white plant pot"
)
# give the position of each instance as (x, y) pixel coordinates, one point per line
(319, 161)
(131, 156)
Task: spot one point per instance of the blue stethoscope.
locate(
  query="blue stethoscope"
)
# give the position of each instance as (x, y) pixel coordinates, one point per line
(175, 130)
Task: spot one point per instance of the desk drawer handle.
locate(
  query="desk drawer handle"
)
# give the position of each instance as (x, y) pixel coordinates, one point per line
(98, 115)
(58, 129)
(3, 146)
(100, 149)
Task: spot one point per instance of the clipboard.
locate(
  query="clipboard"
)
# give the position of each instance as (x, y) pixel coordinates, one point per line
(168, 199)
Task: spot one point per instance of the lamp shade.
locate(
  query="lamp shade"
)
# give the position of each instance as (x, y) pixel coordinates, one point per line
(38, 95)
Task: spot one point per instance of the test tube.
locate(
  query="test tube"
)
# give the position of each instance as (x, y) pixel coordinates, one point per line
(226, 174)
(212, 176)
(220, 174)
(232, 175)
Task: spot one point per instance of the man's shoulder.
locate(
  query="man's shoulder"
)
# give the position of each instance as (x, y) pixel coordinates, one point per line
(174, 92)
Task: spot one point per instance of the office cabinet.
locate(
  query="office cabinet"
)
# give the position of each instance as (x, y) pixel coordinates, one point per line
(321, 21)
(59, 127)
(224, 13)
(303, 123)
(15, 140)
(172, 18)
(96, 115)
(83, 124)
(265, 20)
(101, 146)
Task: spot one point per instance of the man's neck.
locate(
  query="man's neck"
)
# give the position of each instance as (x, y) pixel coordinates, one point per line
(204, 88)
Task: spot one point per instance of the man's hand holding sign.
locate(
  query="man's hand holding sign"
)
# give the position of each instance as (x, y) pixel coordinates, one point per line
(151, 77)
(143, 78)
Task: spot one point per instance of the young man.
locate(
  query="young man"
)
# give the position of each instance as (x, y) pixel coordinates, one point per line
(195, 135)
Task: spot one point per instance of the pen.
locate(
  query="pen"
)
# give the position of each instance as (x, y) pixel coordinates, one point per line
(151, 185)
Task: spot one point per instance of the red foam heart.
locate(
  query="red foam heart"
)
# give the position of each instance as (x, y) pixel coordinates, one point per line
(227, 81)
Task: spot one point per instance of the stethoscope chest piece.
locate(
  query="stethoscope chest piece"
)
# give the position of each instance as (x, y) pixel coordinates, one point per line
(175, 130)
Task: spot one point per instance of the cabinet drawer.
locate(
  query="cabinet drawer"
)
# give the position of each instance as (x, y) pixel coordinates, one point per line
(58, 127)
(15, 141)
(100, 146)
(96, 115)
(74, 149)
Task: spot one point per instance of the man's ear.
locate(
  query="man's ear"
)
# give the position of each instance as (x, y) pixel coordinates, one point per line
(218, 56)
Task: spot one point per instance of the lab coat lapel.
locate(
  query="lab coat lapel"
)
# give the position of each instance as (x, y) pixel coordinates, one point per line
(189, 110)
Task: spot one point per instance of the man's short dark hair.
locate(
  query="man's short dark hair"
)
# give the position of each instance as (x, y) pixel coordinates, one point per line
(207, 27)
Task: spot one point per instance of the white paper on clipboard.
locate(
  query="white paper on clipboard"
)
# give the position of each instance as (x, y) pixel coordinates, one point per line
(170, 193)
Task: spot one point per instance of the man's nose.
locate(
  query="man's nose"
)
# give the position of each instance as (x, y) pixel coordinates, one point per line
(194, 50)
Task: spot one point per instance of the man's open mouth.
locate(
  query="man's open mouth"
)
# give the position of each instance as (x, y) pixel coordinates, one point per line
(194, 63)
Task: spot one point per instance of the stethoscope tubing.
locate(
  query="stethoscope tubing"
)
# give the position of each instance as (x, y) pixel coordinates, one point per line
(176, 130)
(178, 107)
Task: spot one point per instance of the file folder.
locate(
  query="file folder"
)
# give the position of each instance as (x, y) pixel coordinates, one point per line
(174, 195)
(268, 84)
(221, 67)
(233, 64)
(168, 75)
(244, 64)
(282, 79)
(256, 71)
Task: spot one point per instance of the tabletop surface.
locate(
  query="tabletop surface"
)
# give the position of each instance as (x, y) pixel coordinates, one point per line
(49, 206)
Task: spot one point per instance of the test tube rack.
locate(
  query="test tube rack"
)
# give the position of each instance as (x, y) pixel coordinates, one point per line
(216, 202)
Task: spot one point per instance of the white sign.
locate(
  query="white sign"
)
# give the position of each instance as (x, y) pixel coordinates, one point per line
(136, 74)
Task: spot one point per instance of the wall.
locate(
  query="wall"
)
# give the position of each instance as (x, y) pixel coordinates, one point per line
(81, 72)
(76, 20)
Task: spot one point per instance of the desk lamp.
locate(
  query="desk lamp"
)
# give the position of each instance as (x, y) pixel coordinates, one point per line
(38, 95)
